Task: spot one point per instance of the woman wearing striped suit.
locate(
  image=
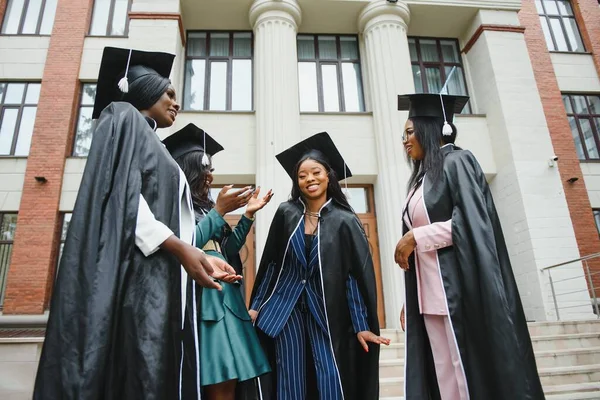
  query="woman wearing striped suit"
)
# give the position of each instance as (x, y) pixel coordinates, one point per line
(314, 300)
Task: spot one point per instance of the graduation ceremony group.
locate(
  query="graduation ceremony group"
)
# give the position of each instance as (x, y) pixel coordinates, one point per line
(149, 300)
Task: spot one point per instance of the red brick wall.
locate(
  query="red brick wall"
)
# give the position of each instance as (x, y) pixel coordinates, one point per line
(588, 18)
(3, 4)
(560, 132)
(33, 261)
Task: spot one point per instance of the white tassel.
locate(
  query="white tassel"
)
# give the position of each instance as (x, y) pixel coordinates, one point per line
(124, 85)
(447, 129)
(205, 160)
(124, 82)
(347, 193)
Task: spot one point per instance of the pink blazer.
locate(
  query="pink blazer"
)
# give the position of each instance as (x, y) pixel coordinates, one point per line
(430, 238)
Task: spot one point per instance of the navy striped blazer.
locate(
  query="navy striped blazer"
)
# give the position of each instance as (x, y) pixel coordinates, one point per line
(297, 276)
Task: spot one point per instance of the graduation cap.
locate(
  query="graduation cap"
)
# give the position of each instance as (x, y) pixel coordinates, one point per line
(117, 72)
(321, 143)
(434, 105)
(191, 138)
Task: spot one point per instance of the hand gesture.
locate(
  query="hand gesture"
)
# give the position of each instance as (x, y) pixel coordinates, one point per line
(230, 200)
(223, 271)
(367, 336)
(255, 204)
(404, 249)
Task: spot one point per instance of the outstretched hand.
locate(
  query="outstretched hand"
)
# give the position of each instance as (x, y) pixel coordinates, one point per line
(366, 337)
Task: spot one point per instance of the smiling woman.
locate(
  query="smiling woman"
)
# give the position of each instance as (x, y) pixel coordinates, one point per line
(315, 287)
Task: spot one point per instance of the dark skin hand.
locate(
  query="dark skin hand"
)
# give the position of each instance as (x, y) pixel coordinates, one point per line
(200, 267)
(404, 249)
(230, 200)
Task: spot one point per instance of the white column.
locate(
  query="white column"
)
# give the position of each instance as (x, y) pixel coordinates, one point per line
(275, 24)
(383, 26)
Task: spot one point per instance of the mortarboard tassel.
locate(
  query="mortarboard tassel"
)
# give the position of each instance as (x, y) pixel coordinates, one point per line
(346, 191)
(447, 129)
(124, 82)
(205, 160)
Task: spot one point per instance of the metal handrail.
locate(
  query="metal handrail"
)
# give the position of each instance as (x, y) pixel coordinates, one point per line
(587, 274)
(572, 261)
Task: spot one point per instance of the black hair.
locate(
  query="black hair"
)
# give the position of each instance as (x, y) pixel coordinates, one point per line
(334, 190)
(146, 90)
(195, 172)
(428, 132)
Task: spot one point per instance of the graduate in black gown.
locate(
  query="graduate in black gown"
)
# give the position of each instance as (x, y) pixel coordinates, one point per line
(314, 300)
(486, 327)
(115, 324)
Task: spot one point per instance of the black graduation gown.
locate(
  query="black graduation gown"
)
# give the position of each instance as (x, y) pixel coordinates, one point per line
(343, 248)
(482, 297)
(115, 317)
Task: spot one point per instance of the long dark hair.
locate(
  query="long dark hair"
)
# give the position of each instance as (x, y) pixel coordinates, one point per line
(195, 172)
(428, 132)
(334, 190)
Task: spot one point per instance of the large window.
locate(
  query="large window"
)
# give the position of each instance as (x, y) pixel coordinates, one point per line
(583, 113)
(218, 71)
(329, 74)
(597, 219)
(29, 17)
(559, 25)
(18, 106)
(85, 125)
(8, 225)
(109, 18)
(432, 61)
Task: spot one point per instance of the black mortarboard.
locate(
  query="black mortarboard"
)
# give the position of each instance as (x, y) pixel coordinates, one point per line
(429, 105)
(322, 143)
(191, 138)
(117, 64)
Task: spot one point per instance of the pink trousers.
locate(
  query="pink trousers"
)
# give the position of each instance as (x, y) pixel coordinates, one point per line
(450, 376)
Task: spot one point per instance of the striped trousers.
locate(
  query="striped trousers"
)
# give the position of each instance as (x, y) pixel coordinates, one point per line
(290, 346)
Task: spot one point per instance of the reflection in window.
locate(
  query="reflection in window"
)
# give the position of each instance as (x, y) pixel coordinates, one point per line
(432, 60)
(8, 227)
(85, 124)
(329, 76)
(583, 113)
(559, 25)
(109, 18)
(218, 71)
(18, 108)
(29, 17)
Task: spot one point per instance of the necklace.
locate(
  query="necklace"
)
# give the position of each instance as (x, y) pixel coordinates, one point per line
(312, 214)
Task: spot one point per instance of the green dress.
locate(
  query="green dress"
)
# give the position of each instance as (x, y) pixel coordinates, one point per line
(229, 347)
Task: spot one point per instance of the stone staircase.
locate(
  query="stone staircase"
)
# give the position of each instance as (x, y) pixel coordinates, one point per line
(567, 353)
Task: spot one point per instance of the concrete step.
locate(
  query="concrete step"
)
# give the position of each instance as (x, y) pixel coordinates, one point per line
(391, 368)
(567, 341)
(564, 390)
(392, 352)
(568, 357)
(391, 387)
(570, 375)
(575, 396)
(563, 327)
